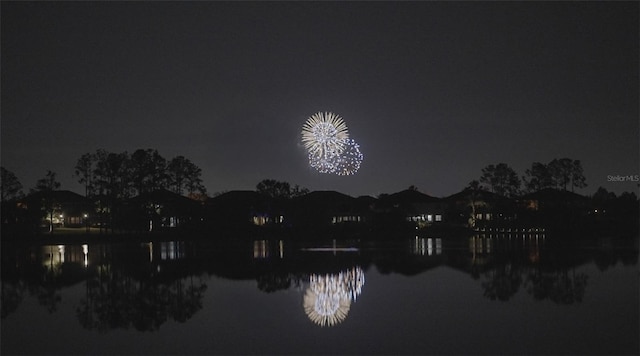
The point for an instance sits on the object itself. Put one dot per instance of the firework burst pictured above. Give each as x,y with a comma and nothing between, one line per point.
324,134
349,161
326,138
324,162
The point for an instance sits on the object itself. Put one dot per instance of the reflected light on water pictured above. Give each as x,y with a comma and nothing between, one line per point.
328,298
262,249
511,283
85,252
172,250
425,246
61,253
483,245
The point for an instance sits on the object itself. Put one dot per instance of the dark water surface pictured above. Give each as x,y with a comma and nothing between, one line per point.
503,294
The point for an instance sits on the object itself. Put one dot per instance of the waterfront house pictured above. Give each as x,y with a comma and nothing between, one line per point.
58,208
162,209
478,208
419,209
241,208
328,208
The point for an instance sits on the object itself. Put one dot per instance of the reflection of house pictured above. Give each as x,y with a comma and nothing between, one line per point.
53,256
163,209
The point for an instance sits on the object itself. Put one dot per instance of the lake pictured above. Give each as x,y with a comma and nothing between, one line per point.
485,294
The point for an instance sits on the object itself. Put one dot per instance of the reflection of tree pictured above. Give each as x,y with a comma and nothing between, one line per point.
604,259
271,282
150,306
12,295
184,303
116,301
569,289
503,283
612,252
47,292
48,296
557,286
545,273
106,305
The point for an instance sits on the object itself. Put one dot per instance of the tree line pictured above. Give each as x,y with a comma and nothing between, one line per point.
109,179
562,174
279,190
119,175
123,175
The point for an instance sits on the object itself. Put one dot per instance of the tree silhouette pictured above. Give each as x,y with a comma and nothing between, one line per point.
474,201
560,170
112,181
279,190
148,170
501,179
10,186
297,191
603,195
567,172
578,179
46,186
183,174
84,171
112,173
538,177
274,189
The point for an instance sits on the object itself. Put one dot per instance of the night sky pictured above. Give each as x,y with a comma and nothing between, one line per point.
432,91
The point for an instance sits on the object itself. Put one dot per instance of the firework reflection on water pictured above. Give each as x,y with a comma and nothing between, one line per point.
328,298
